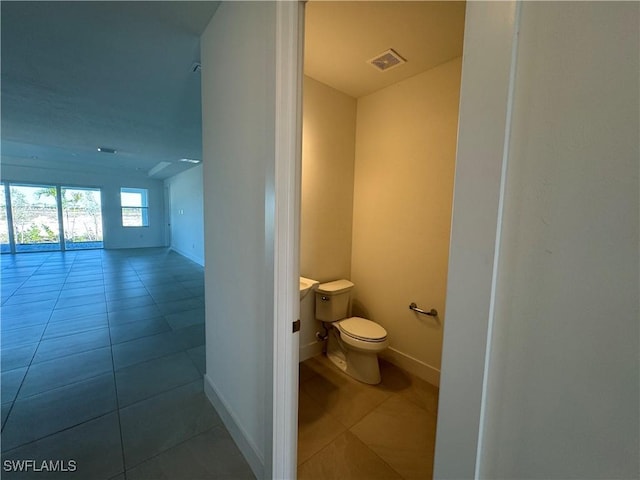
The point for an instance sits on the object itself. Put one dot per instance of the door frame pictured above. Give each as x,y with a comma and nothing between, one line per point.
286,197
488,68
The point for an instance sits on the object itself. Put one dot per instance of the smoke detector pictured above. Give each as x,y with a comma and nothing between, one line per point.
387,60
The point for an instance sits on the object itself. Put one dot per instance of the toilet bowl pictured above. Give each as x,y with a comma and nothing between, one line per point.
353,343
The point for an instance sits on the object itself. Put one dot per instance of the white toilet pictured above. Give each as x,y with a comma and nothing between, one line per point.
354,342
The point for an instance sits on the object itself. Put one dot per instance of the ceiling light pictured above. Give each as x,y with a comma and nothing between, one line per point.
189,160
106,150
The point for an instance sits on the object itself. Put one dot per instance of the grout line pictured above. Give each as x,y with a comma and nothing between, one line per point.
15,398
57,432
138,269
115,385
319,375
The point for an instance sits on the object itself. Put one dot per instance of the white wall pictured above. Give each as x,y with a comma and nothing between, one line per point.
405,160
186,215
563,397
561,382
484,94
115,235
328,155
238,100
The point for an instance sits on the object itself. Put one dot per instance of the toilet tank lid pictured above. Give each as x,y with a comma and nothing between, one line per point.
337,286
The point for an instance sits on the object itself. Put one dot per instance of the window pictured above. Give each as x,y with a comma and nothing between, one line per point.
135,207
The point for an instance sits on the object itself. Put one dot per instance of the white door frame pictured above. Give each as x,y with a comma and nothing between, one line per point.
288,145
487,79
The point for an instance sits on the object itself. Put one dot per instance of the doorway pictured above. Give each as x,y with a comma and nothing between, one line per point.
378,166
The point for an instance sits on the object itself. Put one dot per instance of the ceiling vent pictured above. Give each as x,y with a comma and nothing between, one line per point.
387,60
107,150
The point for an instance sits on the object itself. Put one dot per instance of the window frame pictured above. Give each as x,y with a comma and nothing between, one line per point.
143,208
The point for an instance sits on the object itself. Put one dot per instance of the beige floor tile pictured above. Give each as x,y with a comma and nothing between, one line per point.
322,366
402,434
412,388
346,458
316,429
339,395
306,372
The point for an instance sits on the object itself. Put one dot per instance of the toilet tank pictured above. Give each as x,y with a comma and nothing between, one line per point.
332,300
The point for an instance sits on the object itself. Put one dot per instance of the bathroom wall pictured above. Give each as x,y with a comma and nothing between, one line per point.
328,150
404,169
186,213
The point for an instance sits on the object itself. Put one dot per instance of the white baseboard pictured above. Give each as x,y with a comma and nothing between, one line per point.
240,437
310,350
412,365
190,256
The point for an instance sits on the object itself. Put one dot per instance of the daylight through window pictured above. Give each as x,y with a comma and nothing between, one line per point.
135,206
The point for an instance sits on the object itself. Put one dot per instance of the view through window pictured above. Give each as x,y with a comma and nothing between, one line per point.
5,244
82,218
34,211
135,206
39,213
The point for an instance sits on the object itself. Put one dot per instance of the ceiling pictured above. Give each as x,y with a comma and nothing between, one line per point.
79,75
82,74
340,37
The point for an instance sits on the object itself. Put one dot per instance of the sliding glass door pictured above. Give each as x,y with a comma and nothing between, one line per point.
34,210
82,218
33,218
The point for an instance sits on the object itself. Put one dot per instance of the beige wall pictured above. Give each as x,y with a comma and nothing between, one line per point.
328,149
376,203
405,160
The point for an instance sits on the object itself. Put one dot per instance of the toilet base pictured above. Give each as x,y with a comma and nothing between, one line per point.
363,366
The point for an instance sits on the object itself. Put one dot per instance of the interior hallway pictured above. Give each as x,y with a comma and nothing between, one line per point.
102,363
350,430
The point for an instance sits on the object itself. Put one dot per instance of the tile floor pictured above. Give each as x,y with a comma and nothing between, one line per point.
102,363
349,430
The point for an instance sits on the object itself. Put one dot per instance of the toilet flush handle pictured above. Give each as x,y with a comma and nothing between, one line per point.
324,298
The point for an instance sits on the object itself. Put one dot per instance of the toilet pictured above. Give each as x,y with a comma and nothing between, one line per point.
353,342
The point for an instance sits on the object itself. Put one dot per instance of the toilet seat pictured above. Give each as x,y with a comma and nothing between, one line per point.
363,330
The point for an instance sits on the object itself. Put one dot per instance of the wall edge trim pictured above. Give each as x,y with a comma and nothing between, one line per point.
420,369
244,443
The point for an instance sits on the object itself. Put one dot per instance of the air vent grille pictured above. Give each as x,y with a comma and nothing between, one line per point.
387,60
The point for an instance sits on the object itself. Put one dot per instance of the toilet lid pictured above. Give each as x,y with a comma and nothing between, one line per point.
363,329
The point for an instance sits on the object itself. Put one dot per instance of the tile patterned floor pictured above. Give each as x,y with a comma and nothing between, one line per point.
102,363
349,430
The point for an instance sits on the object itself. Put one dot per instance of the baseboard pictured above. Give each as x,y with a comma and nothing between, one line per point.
240,437
190,256
412,365
310,350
